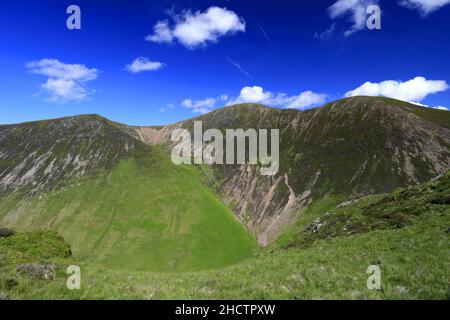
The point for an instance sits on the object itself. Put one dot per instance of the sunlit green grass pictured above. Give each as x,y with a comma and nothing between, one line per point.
414,265
147,214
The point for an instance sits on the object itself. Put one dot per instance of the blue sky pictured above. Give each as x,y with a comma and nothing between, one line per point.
207,54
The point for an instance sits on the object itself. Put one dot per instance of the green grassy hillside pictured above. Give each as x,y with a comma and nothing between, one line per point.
412,256
145,214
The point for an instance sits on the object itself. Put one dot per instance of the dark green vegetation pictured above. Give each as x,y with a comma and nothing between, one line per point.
413,260
394,211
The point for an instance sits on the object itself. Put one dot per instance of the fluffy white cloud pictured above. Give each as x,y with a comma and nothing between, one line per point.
355,9
254,94
198,28
62,90
66,82
415,89
257,94
143,64
424,6
54,68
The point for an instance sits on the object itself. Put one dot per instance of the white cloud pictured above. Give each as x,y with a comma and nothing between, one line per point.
355,9
257,94
427,106
66,82
254,94
415,89
64,90
201,106
198,28
162,33
53,68
143,64
424,6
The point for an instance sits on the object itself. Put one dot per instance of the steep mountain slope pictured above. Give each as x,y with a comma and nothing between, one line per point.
346,149
116,200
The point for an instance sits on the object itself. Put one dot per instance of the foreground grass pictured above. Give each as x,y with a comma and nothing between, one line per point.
412,251
414,263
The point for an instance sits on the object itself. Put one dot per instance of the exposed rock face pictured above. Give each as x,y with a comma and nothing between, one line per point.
349,148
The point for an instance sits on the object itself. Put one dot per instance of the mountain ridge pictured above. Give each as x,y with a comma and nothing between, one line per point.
362,127
345,149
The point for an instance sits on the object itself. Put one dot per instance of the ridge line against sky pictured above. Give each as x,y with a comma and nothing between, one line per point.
192,60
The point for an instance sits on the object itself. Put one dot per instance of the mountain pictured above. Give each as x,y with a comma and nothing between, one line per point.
116,200
344,150
38,156
113,193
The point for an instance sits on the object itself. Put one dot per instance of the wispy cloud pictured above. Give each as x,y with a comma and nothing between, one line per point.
327,34
195,29
142,64
66,82
169,107
425,7
414,90
238,66
265,35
